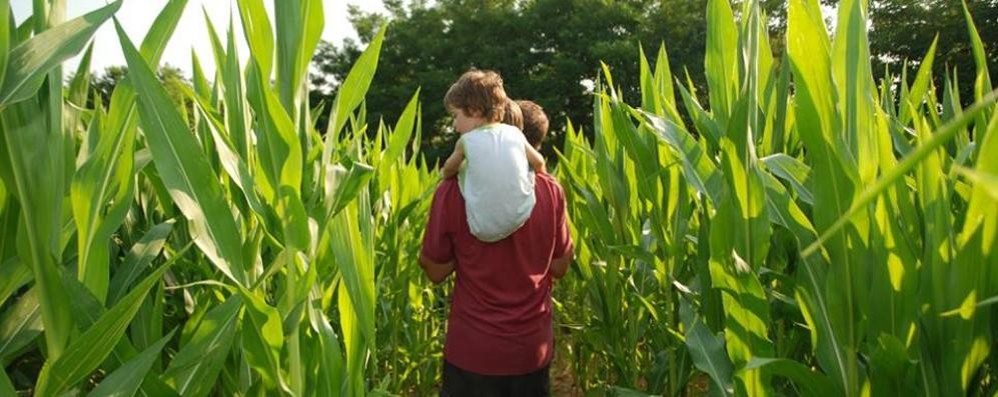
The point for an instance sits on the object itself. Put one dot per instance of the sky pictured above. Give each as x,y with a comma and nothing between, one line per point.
137,15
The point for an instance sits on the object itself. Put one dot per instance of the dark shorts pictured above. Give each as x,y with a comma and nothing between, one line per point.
461,383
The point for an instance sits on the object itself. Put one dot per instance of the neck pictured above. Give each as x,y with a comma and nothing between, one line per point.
479,123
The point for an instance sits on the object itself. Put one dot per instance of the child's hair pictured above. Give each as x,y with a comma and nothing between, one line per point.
478,93
513,115
535,122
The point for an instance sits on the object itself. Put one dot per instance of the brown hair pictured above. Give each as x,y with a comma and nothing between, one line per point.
478,93
535,122
513,115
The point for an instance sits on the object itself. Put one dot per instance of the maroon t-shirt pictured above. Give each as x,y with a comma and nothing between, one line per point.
500,315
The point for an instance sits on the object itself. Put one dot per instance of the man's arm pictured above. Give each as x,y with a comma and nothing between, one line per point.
453,163
559,266
563,246
436,272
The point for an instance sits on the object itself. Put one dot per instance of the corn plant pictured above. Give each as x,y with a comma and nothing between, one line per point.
807,232
797,229
267,231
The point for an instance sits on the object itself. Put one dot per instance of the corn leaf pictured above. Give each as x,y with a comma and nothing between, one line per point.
920,87
259,34
793,171
183,168
330,377
13,276
981,211
707,351
26,159
893,175
352,91
263,338
125,381
697,166
299,26
20,324
6,387
106,175
86,311
138,258
812,383
5,39
809,50
195,367
30,62
87,351
721,65
403,131
983,84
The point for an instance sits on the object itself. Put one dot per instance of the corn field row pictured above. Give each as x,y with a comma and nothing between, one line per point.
799,229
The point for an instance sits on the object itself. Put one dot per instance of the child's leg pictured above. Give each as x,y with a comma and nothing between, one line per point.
453,163
535,159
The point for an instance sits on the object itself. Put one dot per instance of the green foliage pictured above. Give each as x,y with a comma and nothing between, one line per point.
839,269
160,168
904,30
544,50
806,232
171,77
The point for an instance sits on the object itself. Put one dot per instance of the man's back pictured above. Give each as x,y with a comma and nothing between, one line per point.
497,184
500,318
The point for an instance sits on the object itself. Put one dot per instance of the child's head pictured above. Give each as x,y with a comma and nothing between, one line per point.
535,122
513,115
477,94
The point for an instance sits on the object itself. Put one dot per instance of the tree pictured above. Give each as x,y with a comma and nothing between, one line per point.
105,82
548,51
172,78
903,30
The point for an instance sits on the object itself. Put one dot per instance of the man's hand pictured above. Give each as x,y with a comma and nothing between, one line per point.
436,272
559,266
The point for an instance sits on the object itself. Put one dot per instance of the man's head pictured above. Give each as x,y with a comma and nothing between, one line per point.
477,97
535,122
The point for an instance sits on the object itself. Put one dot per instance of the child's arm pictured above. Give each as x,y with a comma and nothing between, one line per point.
535,159
453,163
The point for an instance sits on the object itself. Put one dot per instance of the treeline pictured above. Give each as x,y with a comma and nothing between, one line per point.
550,50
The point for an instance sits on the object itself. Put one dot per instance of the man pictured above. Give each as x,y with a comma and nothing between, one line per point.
499,333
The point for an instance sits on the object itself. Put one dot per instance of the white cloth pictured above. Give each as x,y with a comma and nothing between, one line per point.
496,181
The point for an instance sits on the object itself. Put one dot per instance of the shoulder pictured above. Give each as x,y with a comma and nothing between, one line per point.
474,138
446,199
507,127
550,184
511,130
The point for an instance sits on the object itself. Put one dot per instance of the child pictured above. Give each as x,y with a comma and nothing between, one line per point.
513,115
500,338
498,181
